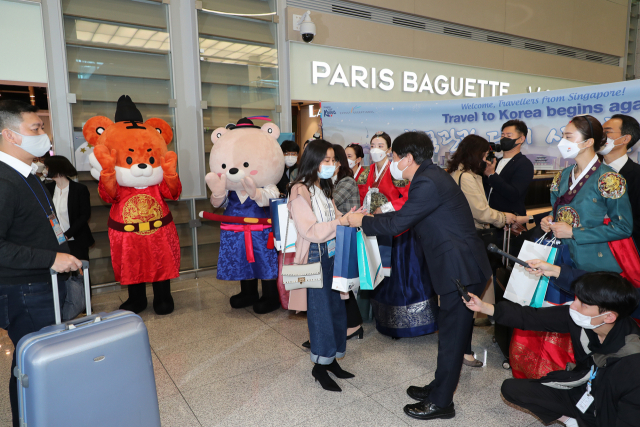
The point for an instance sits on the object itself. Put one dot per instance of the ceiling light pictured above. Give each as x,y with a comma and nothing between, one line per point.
107,29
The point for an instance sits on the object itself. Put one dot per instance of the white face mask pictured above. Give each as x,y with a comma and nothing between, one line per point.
377,154
396,173
352,163
583,320
290,160
36,145
568,149
608,146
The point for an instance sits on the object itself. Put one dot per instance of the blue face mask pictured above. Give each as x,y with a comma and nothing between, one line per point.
326,171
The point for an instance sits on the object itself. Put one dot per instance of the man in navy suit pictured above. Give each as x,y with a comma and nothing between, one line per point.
506,181
438,212
622,134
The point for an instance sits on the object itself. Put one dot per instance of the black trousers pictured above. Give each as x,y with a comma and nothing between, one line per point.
354,318
546,403
455,321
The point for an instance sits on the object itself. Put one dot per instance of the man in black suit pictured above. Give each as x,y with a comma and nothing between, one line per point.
440,215
622,133
506,181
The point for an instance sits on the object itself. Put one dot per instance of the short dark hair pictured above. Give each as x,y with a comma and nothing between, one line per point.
417,143
59,166
312,156
341,157
469,154
590,127
519,125
630,127
11,113
384,136
289,146
609,291
357,148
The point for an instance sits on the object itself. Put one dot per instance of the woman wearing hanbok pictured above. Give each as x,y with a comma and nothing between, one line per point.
591,208
355,155
404,305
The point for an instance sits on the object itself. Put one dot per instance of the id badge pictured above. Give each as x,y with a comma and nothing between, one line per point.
57,229
331,247
585,401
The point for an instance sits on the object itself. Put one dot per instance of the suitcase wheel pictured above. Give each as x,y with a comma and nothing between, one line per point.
505,364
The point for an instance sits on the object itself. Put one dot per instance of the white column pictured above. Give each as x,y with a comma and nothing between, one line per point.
284,88
58,78
185,64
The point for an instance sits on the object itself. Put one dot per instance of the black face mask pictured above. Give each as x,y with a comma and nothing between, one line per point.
507,144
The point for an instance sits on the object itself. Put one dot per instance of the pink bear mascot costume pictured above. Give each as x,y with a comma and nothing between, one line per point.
246,164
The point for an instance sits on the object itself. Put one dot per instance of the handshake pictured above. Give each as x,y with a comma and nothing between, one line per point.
353,218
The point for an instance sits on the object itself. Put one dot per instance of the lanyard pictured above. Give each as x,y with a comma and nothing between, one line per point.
592,376
34,195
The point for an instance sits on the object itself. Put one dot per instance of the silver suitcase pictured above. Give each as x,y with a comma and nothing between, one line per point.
93,371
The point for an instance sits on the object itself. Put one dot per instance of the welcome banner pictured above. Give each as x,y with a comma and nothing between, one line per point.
448,122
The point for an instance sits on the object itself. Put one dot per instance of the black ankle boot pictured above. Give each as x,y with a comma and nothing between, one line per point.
248,294
319,372
137,300
270,300
336,370
162,299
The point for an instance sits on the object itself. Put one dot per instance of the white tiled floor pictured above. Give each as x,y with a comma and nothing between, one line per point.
216,366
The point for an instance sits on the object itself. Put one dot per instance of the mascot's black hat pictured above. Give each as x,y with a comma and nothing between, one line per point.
126,110
246,122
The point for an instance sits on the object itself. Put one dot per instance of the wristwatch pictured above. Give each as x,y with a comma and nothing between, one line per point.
531,220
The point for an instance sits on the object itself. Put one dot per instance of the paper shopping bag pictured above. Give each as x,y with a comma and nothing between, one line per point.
345,265
538,298
287,229
274,213
522,285
384,245
369,262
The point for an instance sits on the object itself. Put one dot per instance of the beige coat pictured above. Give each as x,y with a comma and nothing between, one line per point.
309,231
471,186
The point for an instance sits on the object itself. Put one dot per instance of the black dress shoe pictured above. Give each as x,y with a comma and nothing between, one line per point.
307,344
429,411
359,333
419,393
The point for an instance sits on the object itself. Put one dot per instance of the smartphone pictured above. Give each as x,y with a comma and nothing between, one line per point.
462,291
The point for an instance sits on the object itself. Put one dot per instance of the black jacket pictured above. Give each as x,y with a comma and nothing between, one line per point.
286,178
441,218
631,173
79,206
616,387
510,186
28,244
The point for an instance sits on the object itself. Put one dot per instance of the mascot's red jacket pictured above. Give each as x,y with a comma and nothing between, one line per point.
137,173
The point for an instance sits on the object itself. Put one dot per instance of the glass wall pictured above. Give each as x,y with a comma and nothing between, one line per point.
238,67
117,47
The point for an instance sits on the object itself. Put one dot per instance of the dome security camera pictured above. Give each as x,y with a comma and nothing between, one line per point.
307,27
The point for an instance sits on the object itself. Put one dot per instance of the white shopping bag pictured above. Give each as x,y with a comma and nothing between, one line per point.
375,260
291,235
522,285
369,261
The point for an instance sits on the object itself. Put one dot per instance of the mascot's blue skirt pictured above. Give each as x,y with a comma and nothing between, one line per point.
405,305
232,258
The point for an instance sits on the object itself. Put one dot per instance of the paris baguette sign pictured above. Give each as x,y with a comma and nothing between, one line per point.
333,74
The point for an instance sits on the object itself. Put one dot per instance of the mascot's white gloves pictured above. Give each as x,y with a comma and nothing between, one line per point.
261,195
218,186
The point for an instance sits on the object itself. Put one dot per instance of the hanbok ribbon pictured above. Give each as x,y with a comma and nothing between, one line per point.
245,225
248,240
626,255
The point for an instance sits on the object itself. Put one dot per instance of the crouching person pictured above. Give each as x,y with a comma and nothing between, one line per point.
603,388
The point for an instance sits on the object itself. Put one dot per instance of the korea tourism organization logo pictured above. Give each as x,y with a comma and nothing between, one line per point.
357,110
329,112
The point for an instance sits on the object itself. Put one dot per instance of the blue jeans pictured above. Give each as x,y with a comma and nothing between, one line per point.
24,309
326,313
